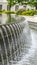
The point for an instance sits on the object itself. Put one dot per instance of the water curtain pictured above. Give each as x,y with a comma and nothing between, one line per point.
10,43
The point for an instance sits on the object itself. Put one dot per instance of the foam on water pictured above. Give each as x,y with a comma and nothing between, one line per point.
26,58
21,40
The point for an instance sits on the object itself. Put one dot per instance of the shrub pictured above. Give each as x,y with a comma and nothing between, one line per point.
7,12
27,12
0,11
30,12
20,11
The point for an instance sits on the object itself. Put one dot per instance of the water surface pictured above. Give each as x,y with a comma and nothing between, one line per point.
28,37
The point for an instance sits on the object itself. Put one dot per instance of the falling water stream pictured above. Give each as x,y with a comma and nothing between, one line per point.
18,44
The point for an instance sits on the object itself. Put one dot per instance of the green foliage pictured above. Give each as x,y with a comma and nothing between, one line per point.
11,19
6,12
20,11
11,2
32,2
27,13
0,12
30,12
19,1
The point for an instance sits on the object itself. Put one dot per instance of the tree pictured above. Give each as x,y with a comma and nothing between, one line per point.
11,2
32,2
35,4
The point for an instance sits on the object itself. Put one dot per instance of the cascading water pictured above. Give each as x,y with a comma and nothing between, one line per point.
14,43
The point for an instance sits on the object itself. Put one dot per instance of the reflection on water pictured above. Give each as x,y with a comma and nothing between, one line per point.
3,18
6,18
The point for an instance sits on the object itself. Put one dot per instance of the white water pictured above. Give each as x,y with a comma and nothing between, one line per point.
28,37
31,57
